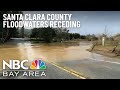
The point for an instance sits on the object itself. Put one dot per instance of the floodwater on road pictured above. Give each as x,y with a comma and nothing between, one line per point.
72,54
19,49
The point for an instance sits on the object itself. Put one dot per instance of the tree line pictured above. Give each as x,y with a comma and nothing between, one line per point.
53,34
7,33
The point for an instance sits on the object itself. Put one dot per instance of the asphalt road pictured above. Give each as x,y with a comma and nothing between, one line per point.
52,72
90,65
96,68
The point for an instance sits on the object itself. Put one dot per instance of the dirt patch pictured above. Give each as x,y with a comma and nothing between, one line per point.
106,51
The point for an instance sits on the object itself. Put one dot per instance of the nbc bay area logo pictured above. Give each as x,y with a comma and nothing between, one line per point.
38,64
16,67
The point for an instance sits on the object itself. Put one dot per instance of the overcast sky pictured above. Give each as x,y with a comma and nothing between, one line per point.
92,22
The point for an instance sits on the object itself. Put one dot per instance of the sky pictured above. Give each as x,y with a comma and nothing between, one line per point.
92,22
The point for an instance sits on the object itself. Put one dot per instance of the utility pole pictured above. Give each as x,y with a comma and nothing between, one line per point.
104,37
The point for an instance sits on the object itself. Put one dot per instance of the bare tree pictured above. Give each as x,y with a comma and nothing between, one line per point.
106,31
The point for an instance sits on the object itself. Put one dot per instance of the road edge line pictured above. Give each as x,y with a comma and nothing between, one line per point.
73,72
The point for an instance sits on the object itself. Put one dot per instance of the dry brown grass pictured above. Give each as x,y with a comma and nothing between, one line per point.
106,50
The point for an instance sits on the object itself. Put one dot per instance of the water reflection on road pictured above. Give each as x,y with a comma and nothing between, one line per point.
26,50
21,49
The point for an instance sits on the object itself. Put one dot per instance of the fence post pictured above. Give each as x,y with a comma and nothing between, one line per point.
103,41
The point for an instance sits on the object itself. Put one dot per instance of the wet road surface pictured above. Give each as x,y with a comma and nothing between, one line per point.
72,56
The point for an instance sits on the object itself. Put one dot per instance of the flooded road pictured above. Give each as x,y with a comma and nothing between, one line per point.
20,49
72,55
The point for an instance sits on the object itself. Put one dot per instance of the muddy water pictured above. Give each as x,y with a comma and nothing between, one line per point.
56,52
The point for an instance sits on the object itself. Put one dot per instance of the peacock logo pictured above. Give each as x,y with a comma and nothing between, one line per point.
38,64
